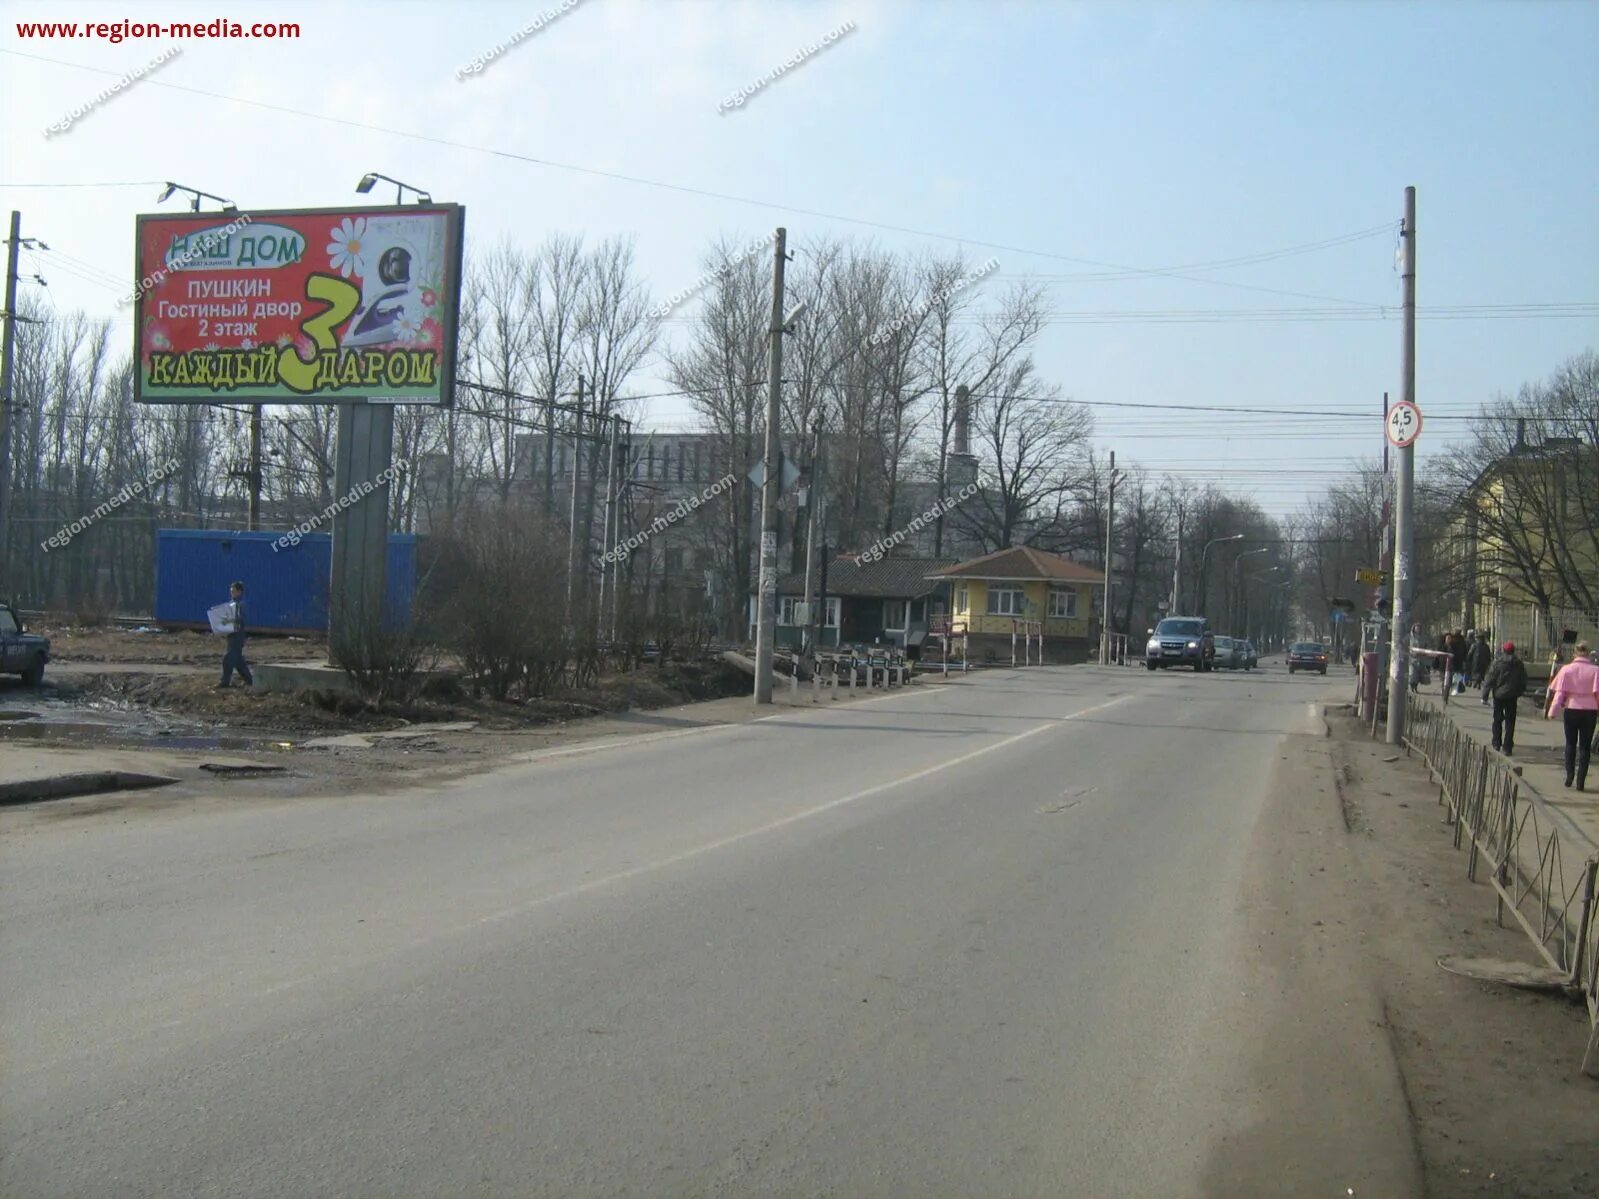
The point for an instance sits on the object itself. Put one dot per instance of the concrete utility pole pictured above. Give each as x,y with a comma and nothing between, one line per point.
1177,569
1110,530
7,372
815,514
571,526
255,468
610,508
1404,496
766,606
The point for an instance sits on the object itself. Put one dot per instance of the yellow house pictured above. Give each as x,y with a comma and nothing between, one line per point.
1520,553
990,595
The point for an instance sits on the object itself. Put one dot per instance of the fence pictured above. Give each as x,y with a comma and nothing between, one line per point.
1535,634
1500,818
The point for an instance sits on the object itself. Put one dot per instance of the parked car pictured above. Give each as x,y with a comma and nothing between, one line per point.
1181,641
1307,655
1227,655
1251,659
21,652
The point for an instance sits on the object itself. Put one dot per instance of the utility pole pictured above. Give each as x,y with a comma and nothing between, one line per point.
571,527
612,502
815,514
1110,529
255,468
766,607
7,372
1404,497
1177,568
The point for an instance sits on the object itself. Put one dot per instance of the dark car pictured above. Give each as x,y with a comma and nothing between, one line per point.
1246,650
21,652
1307,655
1181,641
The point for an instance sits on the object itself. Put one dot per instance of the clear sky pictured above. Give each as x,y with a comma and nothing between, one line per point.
1056,137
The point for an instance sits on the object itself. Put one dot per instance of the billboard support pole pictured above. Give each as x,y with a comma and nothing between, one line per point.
360,531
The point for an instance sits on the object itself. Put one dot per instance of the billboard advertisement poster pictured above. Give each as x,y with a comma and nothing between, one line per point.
300,306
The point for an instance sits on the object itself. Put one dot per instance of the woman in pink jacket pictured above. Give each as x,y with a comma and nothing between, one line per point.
1576,689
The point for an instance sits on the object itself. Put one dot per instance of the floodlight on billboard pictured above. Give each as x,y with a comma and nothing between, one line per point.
299,306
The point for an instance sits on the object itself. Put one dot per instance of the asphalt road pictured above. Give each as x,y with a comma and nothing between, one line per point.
1043,932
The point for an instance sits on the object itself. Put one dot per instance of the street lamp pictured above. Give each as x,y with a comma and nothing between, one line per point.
369,180
1200,600
197,194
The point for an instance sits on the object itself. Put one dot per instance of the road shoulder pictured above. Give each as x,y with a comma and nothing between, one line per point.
1492,1073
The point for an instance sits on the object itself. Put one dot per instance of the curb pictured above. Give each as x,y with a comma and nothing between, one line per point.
68,786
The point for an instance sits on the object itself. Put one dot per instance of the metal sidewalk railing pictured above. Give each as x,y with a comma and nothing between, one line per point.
1501,817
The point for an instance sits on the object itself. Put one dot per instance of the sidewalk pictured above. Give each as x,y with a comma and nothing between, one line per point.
1540,752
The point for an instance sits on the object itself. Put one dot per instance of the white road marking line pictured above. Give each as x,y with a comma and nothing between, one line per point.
792,818
523,909
598,744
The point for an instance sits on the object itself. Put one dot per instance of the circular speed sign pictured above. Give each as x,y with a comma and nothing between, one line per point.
1404,423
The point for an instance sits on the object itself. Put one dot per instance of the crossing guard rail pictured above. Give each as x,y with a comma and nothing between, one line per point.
1502,818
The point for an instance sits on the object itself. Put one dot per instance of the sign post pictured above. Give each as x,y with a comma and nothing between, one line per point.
1403,425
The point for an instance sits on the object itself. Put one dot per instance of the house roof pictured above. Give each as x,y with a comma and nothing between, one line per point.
1023,563
890,578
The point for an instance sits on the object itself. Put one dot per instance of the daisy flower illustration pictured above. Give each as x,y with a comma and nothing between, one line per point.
406,328
347,251
247,344
429,297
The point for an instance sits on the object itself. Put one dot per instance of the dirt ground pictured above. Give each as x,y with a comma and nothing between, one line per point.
1491,1074
129,690
112,644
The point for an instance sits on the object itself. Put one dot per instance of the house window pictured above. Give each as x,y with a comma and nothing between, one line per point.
1006,600
893,616
1063,602
962,604
788,610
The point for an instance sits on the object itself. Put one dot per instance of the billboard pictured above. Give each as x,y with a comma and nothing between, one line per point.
301,306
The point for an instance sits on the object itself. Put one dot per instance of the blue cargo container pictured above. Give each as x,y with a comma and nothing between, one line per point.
286,591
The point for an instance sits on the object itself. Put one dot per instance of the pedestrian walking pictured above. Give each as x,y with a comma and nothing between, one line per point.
1576,690
1458,650
1479,657
1506,684
234,658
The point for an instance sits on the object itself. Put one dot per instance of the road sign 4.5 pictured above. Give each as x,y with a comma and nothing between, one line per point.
1403,424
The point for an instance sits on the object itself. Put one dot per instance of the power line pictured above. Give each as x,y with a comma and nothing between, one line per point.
684,189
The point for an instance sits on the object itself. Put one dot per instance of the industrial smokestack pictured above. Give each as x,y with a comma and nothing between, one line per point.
963,420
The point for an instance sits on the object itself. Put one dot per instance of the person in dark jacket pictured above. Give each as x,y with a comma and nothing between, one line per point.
234,658
1479,658
1506,684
